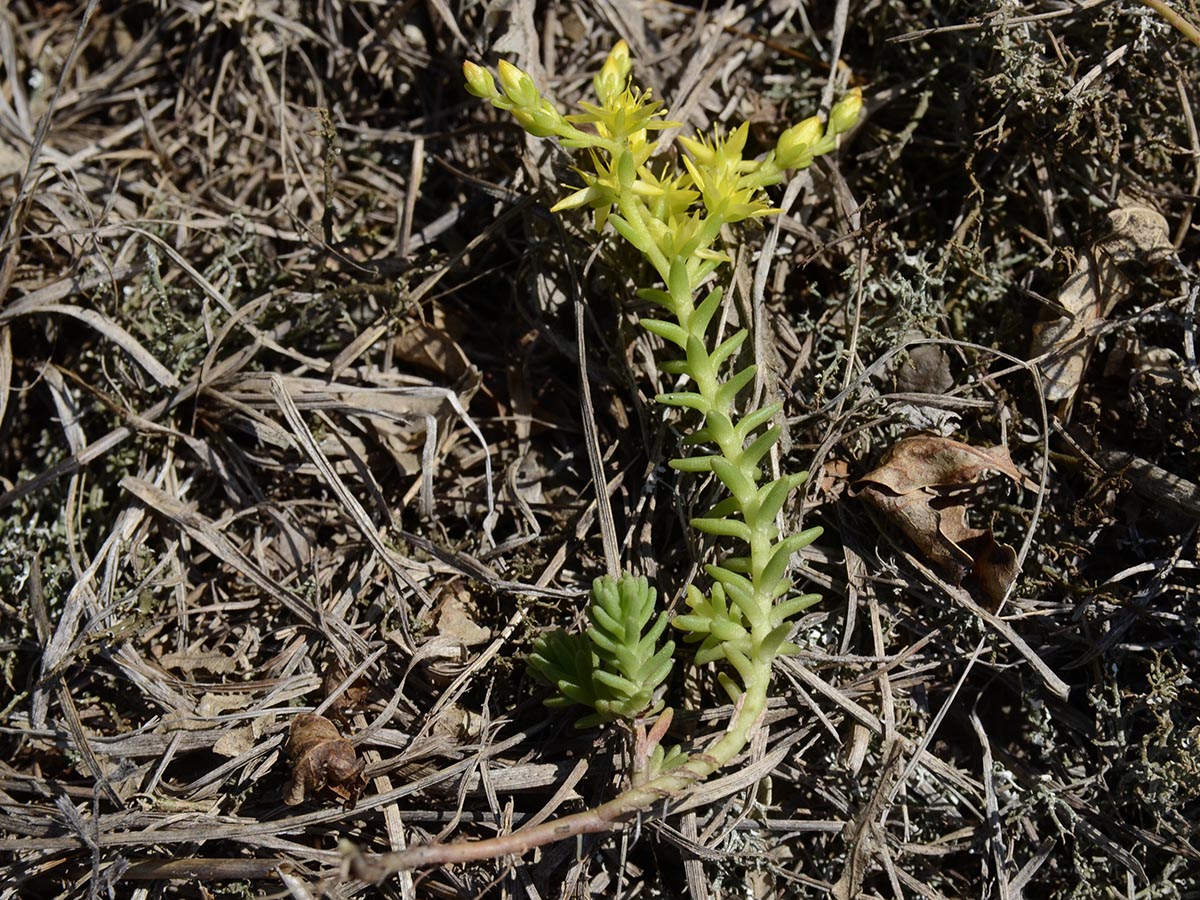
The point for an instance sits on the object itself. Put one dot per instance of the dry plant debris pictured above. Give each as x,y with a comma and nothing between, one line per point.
920,486
321,761
290,384
1092,292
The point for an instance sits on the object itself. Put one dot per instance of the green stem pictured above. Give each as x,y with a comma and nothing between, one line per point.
751,703
634,213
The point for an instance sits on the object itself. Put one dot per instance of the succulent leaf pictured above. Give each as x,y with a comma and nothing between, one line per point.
734,386
753,421
693,464
735,478
687,399
723,528
727,348
616,666
789,608
704,313
668,331
761,446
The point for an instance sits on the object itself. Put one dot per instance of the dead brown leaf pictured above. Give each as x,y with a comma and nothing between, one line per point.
919,487
234,743
432,349
349,700
833,478
926,461
458,617
322,761
1091,292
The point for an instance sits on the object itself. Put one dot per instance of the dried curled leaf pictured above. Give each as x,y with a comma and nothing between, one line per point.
923,461
352,698
1091,293
919,488
322,761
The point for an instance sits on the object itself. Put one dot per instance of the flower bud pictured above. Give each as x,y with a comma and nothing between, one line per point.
729,150
610,80
517,85
541,122
790,152
479,81
700,149
845,113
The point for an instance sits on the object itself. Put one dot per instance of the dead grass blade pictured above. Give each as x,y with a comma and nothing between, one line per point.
210,535
100,323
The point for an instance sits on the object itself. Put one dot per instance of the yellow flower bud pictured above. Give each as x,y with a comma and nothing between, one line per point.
700,149
479,81
791,151
517,85
619,57
844,115
730,151
610,81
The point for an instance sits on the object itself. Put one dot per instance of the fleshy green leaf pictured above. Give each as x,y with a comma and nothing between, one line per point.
734,478
726,630
752,421
700,319
723,527
696,624
774,640
789,608
761,446
733,387
668,331
700,464
771,498
621,685
687,399
719,423
731,687
677,281
727,348
727,508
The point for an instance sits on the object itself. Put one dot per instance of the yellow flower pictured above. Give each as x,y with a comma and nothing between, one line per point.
626,116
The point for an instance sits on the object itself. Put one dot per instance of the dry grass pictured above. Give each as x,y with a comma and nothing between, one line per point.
290,419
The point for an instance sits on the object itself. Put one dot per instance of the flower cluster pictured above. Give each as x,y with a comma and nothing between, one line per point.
656,211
